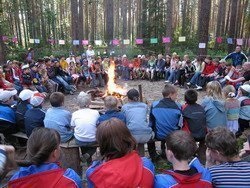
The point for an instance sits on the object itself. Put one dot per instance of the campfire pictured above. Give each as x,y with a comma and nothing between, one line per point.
112,88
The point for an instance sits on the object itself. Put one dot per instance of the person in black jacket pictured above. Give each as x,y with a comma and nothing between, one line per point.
34,117
194,121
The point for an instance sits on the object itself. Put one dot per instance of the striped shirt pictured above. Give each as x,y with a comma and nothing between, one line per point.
231,175
2,160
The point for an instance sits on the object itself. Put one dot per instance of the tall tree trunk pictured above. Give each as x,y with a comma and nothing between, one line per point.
2,45
184,17
220,20
232,26
109,20
74,19
204,15
124,19
86,16
169,28
129,18
80,21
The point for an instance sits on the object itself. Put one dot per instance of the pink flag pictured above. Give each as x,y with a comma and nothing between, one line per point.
166,40
5,38
51,41
219,40
239,42
138,41
85,42
14,39
116,42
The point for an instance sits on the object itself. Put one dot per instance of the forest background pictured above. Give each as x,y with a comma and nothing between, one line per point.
200,21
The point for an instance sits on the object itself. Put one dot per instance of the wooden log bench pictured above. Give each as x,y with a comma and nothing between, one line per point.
71,156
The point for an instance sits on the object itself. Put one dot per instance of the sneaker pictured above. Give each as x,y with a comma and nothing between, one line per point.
198,88
189,84
167,81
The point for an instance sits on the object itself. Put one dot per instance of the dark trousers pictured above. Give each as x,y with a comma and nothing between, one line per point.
152,149
243,124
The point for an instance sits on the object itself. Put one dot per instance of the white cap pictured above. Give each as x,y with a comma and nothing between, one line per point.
246,87
37,99
6,95
26,94
25,66
124,56
139,56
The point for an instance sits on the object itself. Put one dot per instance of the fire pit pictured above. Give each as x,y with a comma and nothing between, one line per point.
112,89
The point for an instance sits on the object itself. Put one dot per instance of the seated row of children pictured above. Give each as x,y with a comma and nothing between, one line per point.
121,166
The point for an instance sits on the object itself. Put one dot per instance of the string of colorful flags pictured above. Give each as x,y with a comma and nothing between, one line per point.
138,41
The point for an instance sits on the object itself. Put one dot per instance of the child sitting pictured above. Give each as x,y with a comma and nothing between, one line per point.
34,117
232,108
180,149
164,118
194,121
41,168
214,106
22,106
58,118
244,116
121,166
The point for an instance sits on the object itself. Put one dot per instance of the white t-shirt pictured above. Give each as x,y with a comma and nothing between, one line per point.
89,54
84,121
70,59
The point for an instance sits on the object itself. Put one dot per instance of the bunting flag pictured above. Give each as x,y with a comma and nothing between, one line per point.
98,42
14,39
37,41
32,41
51,41
182,39
76,42
239,42
5,38
154,40
85,42
229,40
126,41
62,42
219,40
166,40
116,42
202,45
138,41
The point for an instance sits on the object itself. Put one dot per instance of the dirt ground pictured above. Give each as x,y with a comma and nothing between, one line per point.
151,92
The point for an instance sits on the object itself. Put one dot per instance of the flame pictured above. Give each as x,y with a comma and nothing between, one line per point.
113,88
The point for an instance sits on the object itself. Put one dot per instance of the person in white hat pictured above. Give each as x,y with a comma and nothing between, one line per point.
34,117
7,115
22,106
244,115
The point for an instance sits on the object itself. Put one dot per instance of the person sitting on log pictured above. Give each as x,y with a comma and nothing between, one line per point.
41,168
121,166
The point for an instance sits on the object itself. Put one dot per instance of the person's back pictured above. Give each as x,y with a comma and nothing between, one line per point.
165,114
110,103
41,168
136,117
214,106
180,149
121,165
34,117
222,149
194,117
58,118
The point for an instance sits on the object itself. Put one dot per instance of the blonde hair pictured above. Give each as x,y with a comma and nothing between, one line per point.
229,91
214,90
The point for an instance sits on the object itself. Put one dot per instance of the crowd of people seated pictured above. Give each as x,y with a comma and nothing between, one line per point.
215,123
